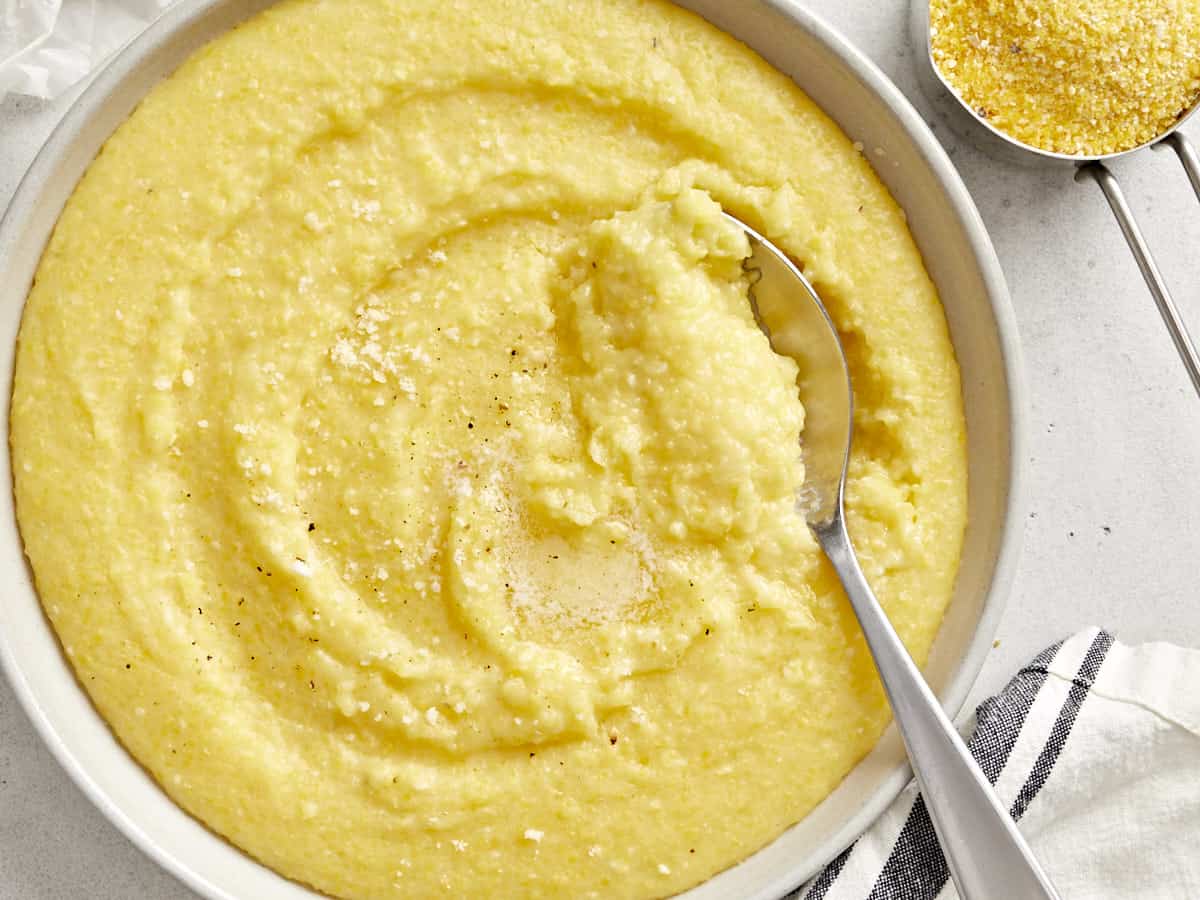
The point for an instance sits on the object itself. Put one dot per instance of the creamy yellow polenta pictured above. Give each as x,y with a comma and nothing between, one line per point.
404,473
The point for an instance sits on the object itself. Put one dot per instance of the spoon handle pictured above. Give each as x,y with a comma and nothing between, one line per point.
986,855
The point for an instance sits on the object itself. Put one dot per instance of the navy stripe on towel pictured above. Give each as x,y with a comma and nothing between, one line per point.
1062,725
828,875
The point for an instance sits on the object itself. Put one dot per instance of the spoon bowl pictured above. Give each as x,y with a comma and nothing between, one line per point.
985,853
792,316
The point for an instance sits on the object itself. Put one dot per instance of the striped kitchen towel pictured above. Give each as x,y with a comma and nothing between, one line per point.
1095,748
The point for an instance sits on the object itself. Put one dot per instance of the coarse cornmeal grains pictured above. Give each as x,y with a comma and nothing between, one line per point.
1080,77
405,475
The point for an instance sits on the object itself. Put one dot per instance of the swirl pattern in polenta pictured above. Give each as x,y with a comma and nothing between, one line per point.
407,480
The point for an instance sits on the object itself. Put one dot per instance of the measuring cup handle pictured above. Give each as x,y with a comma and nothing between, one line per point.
1178,142
1141,252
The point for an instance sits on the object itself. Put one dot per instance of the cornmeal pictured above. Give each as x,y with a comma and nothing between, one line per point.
405,475
1079,77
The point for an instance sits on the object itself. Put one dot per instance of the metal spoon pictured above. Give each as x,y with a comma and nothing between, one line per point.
986,854
995,142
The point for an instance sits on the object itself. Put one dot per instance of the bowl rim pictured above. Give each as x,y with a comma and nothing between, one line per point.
110,78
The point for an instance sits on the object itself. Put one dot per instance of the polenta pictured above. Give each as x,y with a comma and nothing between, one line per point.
406,478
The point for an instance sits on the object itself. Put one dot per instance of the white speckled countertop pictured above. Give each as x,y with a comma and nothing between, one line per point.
1114,533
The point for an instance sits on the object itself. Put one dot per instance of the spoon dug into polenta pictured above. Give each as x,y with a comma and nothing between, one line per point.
986,855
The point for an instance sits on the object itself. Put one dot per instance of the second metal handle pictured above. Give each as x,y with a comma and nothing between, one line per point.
1187,155
1141,250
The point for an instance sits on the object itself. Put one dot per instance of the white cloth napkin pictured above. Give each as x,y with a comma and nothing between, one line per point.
1095,748
48,45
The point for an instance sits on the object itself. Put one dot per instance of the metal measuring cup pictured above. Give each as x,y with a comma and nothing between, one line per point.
1002,146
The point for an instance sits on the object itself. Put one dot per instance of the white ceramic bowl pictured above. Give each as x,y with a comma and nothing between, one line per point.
957,252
